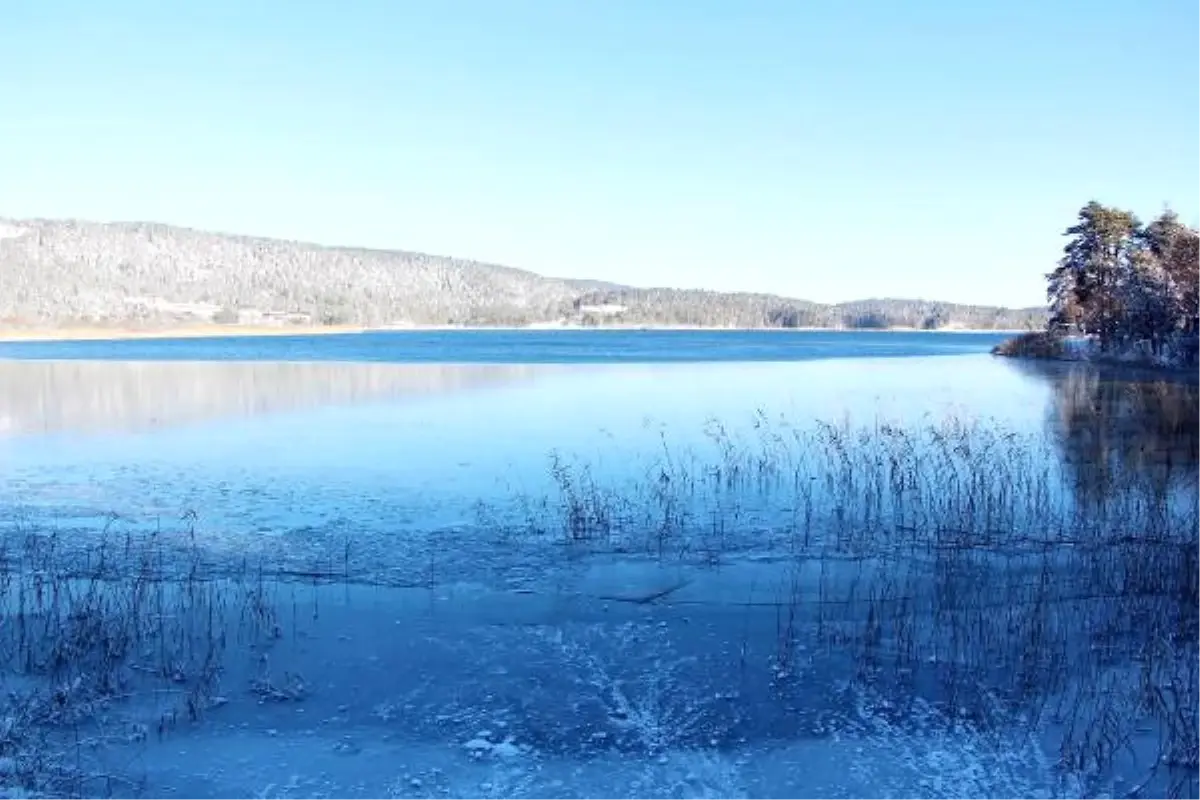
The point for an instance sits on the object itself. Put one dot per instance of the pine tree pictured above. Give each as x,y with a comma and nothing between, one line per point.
1174,248
1183,265
1148,307
1159,235
1087,289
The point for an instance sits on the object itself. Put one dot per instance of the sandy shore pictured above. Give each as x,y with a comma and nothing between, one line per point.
182,332
67,334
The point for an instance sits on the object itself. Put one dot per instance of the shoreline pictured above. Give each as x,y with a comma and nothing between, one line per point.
1044,347
97,334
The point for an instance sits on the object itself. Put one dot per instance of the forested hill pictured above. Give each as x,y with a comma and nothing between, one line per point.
693,307
64,272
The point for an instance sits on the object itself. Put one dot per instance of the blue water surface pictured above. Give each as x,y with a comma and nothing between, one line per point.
522,346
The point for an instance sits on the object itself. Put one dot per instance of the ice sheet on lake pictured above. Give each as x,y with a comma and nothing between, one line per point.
309,765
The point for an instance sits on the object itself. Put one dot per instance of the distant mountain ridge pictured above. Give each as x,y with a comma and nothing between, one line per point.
56,273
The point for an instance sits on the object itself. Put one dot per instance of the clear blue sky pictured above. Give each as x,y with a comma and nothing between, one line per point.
829,150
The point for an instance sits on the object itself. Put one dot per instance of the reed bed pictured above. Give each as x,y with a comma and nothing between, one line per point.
146,624
987,569
844,489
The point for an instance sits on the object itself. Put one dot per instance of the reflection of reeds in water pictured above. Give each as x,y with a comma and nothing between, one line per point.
90,396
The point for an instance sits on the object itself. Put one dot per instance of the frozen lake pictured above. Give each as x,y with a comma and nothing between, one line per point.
623,564
279,448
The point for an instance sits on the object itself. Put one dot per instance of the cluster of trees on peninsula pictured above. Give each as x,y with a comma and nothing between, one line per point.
64,272
1123,282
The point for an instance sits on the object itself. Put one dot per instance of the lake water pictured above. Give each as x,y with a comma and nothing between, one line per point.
308,450
506,505
522,347
312,430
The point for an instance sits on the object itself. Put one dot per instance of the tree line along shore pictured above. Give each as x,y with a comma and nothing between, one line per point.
113,277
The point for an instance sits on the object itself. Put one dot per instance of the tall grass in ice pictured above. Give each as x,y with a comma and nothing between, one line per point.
954,569
847,489
1055,577
136,622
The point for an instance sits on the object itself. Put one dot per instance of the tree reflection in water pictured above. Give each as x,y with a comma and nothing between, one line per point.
1115,426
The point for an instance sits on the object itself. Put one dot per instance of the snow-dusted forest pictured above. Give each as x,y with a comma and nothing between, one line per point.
61,272
1122,290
